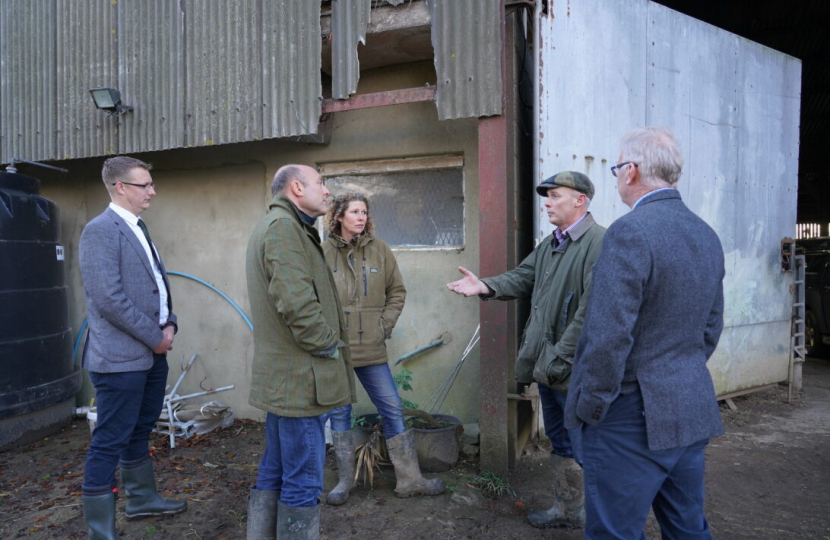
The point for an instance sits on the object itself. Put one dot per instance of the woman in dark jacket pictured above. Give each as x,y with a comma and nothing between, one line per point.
372,295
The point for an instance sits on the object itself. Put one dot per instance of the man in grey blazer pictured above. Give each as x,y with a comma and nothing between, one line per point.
131,328
640,386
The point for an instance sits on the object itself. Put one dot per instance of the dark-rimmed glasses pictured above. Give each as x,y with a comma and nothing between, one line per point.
146,186
619,166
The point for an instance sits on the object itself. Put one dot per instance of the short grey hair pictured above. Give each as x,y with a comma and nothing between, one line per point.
656,153
283,176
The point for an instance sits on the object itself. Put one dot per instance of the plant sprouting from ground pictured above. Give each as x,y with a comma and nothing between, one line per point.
492,485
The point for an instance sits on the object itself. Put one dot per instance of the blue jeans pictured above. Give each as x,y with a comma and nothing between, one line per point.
623,478
129,403
295,452
566,442
379,384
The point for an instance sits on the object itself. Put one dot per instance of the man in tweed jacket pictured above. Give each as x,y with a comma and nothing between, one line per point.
131,328
640,386
302,368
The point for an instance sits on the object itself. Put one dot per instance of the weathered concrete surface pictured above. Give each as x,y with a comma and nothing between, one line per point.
208,201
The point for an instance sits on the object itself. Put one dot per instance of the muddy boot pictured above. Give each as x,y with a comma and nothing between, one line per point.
142,497
298,523
262,514
408,472
568,509
99,513
343,442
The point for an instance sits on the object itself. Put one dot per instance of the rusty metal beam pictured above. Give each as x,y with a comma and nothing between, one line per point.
380,99
494,259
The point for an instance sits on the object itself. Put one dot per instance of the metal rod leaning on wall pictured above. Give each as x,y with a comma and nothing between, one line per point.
419,350
172,398
168,399
205,393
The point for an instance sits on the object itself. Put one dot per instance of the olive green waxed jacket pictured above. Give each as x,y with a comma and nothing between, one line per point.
296,313
371,292
558,282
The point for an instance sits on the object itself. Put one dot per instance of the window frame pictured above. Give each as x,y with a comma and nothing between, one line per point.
379,166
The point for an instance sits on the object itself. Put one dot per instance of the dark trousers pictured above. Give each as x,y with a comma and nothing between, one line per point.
129,403
623,478
295,453
565,442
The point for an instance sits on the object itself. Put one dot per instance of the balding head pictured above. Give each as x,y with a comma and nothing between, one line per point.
303,186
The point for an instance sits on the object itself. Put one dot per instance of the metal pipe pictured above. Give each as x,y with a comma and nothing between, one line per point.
185,371
16,160
197,394
409,355
537,91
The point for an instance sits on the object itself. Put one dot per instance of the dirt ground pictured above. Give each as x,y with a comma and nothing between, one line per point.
767,478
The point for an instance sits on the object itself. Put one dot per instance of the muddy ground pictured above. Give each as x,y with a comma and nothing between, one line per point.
767,478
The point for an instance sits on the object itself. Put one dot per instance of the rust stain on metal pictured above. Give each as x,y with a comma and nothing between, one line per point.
380,99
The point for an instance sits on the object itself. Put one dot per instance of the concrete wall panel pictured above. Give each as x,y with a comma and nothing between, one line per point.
209,200
734,107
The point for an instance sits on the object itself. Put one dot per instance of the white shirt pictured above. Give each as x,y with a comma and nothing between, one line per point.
132,221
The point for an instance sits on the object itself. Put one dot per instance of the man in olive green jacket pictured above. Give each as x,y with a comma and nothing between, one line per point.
557,278
301,367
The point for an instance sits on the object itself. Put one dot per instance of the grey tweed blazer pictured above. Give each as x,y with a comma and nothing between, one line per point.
654,318
122,297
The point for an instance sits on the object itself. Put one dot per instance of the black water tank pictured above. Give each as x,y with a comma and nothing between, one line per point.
38,382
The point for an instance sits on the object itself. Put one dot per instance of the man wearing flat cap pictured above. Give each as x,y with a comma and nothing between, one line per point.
557,278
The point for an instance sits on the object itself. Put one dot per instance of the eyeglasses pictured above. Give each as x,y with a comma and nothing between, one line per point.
146,186
619,166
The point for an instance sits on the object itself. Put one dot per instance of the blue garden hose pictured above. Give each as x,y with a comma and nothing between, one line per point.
205,283
220,293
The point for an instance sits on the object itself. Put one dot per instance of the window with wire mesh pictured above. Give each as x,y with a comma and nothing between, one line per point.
420,208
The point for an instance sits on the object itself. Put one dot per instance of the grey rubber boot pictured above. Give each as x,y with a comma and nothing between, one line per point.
294,523
142,497
99,513
407,470
568,509
343,442
262,514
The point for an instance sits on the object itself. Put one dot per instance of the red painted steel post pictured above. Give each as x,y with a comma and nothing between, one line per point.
494,227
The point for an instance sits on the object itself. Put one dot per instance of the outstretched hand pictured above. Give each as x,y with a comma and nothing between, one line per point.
469,285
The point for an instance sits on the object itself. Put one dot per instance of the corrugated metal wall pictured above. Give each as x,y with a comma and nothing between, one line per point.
223,90
467,38
291,70
204,72
197,72
151,75
349,20
27,79
87,57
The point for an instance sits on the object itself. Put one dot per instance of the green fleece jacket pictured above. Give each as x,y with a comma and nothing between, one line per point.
558,281
296,316
371,292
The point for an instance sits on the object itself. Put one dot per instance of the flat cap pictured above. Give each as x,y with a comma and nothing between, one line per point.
572,179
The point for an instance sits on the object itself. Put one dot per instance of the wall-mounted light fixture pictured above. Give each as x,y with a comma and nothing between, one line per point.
109,99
